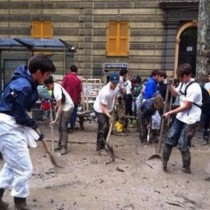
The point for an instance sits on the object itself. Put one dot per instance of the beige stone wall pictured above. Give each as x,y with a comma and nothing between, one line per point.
83,23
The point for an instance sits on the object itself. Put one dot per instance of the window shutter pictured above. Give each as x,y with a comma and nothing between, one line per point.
124,39
41,30
47,29
117,39
112,38
36,30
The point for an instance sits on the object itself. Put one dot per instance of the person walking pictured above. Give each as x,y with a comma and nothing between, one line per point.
187,117
17,128
65,107
103,107
73,85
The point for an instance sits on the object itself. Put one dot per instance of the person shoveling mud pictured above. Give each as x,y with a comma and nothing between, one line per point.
187,119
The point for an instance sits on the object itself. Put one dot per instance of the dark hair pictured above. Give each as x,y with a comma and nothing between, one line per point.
184,69
163,74
49,80
155,72
136,79
42,63
123,72
73,68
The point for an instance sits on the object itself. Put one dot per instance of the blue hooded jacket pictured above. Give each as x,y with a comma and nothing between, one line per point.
19,96
150,88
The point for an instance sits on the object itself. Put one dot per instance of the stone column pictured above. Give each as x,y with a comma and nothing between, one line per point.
203,42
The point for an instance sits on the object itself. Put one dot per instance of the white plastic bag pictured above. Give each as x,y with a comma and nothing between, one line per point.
156,119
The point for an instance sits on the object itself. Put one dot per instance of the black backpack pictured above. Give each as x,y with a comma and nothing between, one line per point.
205,97
63,98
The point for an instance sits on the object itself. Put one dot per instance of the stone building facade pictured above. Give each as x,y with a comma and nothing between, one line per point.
154,31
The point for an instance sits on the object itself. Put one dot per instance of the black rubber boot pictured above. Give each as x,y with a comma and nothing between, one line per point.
20,204
205,140
165,156
142,132
186,159
3,205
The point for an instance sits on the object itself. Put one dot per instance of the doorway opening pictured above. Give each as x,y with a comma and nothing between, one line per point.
186,46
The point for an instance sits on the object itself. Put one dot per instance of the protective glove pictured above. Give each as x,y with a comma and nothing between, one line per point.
38,131
170,81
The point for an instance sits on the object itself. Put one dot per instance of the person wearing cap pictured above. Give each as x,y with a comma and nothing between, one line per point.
103,107
65,107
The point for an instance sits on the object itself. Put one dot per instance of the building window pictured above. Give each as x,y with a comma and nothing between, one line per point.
41,30
117,39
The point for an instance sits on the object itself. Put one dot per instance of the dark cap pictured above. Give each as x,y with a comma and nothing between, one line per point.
114,77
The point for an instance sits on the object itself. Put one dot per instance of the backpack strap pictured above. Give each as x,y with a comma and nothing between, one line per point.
185,91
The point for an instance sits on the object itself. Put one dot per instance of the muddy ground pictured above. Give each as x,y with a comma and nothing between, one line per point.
87,182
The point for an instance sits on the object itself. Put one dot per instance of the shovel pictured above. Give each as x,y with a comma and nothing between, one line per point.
107,142
53,159
158,149
51,126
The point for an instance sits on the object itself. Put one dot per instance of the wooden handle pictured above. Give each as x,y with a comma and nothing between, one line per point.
163,121
109,133
48,151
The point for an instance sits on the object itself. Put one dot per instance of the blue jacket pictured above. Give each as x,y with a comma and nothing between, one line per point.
150,88
19,96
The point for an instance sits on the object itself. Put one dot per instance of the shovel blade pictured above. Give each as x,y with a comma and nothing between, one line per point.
155,156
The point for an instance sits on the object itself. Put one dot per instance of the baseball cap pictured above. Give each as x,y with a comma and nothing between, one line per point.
114,77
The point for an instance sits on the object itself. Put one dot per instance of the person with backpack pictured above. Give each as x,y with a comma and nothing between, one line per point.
18,130
65,107
187,119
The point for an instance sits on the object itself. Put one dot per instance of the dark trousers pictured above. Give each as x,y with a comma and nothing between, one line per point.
103,129
180,135
206,122
128,104
63,128
73,117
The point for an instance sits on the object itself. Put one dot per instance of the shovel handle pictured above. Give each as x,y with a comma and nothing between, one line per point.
109,133
163,121
48,151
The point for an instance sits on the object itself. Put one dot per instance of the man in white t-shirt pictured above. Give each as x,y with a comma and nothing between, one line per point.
187,118
103,107
65,107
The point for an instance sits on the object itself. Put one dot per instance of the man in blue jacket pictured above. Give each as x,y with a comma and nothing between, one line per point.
150,92
17,128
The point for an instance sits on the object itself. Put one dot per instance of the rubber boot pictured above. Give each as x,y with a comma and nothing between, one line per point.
205,140
155,136
3,205
165,156
20,204
186,159
142,132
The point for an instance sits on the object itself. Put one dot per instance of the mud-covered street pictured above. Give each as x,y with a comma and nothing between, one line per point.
87,182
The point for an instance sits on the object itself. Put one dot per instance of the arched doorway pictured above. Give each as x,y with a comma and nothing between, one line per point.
186,46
